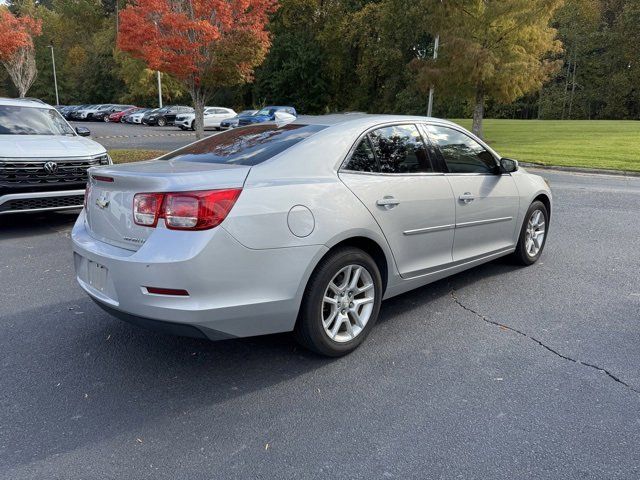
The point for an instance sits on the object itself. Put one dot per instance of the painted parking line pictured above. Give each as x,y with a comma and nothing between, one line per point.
146,135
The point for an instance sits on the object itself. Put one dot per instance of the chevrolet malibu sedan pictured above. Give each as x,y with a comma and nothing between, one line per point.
305,226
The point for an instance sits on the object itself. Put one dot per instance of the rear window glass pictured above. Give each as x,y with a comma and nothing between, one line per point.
245,146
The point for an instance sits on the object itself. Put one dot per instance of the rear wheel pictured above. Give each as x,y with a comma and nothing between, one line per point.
533,234
106,119
341,303
161,122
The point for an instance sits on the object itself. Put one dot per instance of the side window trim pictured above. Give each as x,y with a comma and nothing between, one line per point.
435,156
430,150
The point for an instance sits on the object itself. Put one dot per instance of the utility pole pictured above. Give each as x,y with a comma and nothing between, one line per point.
55,79
159,88
436,44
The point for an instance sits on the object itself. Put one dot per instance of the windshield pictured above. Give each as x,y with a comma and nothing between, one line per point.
32,121
244,146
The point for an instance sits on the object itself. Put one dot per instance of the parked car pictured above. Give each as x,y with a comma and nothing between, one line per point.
68,111
234,121
212,118
75,113
165,116
266,114
86,114
118,115
43,160
136,117
303,226
103,114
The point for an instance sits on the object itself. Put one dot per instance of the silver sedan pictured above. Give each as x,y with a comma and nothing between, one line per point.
302,226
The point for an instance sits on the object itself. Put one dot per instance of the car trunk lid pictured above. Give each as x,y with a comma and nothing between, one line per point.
109,212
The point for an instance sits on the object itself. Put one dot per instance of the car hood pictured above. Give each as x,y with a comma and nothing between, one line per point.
48,146
185,116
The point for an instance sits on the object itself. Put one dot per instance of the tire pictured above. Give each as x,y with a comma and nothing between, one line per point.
106,119
161,122
315,312
528,253
193,126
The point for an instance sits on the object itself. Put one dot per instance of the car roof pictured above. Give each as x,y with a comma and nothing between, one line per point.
23,102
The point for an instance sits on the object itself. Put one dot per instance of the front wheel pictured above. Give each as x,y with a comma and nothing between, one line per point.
340,304
533,235
106,119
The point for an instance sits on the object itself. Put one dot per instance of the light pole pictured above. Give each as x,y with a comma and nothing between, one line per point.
436,44
55,79
159,88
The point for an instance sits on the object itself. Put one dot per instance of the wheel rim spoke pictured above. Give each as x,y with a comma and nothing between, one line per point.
348,303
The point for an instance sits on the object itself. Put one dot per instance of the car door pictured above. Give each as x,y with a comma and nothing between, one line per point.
391,172
170,115
486,200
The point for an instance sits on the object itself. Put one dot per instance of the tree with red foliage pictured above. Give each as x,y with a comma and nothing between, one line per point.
16,49
203,43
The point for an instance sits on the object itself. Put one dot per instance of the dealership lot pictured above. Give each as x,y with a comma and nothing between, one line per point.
125,136
497,372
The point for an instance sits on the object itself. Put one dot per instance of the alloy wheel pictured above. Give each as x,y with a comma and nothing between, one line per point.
348,303
534,234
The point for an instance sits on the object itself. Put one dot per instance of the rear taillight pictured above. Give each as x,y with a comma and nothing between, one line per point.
146,208
199,210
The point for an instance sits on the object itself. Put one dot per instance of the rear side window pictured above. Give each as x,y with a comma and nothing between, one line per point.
400,149
362,158
462,153
244,146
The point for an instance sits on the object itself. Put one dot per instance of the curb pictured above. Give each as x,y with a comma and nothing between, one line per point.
594,171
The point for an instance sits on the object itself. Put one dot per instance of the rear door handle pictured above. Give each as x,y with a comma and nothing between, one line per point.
388,201
467,197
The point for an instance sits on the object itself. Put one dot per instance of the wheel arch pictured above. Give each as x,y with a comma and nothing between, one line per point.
544,198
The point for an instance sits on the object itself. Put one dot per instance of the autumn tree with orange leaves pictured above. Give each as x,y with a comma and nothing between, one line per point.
16,49
205,44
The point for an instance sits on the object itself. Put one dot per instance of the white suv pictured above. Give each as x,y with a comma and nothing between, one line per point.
212,118
43,160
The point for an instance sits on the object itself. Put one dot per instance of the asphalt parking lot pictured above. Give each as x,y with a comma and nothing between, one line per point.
498,372
126,136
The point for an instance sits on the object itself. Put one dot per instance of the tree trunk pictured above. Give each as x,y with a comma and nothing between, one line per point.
478,111
198,104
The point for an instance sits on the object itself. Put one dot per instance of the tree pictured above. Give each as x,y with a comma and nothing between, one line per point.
205,44
497,49
17,50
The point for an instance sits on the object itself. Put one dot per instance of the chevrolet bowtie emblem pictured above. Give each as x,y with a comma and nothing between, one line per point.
102,202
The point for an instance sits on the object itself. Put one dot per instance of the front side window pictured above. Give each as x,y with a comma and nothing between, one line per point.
244,146
400,149
362,159
18,120
462,153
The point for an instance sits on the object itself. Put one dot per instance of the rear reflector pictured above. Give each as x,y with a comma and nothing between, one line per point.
167,291
198,210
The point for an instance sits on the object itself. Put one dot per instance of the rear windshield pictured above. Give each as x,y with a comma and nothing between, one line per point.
16,120
244,146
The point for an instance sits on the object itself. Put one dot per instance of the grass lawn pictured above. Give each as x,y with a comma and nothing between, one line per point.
125,156
573,143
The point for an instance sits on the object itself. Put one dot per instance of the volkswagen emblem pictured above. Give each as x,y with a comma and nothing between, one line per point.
51,168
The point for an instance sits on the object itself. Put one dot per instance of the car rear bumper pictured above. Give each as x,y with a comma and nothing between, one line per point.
233,291
41,201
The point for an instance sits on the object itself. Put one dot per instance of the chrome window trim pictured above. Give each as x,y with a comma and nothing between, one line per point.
440,228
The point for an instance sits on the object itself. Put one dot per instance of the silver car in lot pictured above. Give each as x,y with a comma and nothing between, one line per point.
305,226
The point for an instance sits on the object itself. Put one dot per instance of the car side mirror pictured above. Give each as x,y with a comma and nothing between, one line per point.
83,131
508,165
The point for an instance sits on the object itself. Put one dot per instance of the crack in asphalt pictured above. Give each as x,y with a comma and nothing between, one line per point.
486,319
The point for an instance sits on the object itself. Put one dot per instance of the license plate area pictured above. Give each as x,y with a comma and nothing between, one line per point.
97,275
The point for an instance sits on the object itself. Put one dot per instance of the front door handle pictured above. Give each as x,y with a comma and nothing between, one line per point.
388,201
467,197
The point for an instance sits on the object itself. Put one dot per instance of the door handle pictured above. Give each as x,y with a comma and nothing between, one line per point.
467,197
388,201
